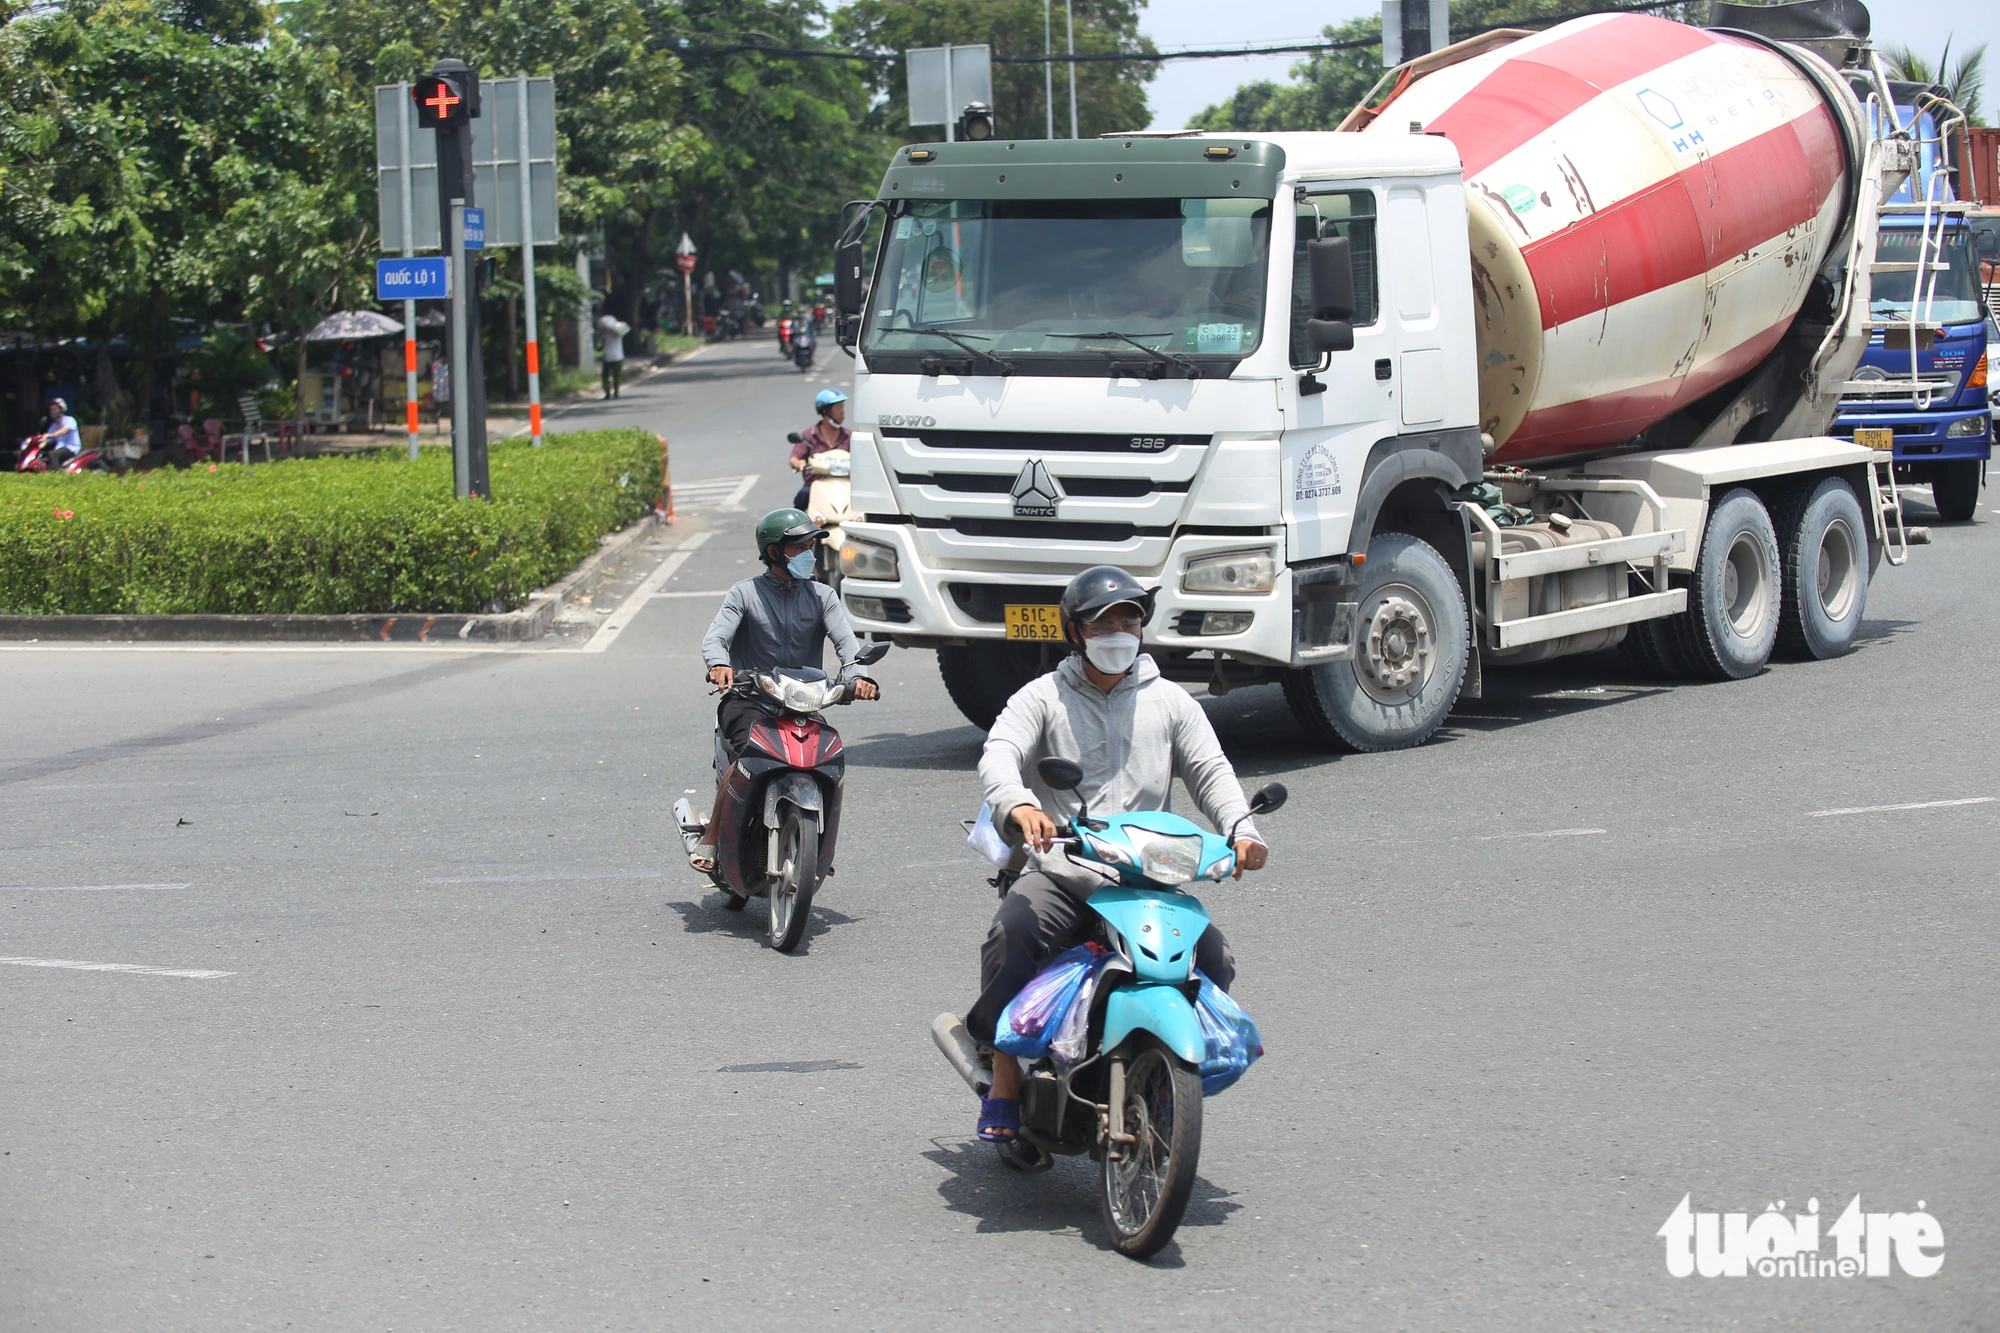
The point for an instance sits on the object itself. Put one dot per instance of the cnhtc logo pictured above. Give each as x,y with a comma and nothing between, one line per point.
1774,1245
1035,492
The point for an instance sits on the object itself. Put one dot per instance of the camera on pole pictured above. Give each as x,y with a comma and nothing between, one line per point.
975,123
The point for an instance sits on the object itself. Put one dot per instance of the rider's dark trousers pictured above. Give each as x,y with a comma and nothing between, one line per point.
1037,920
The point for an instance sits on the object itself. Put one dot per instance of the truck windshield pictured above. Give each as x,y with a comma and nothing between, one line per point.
1954,300
1068,286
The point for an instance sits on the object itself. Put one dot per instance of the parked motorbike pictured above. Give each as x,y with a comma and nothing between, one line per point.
781,803
36,455
829,495
804,339
1133,1100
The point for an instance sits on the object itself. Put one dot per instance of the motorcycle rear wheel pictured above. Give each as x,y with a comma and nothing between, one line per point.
1145,1189
793,880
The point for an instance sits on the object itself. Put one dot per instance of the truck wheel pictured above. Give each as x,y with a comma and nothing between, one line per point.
1731,622
1825,542
1411,647
1955,488
981,678
1650,646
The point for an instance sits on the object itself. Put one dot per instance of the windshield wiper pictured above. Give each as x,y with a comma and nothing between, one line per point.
1006,366
1188,364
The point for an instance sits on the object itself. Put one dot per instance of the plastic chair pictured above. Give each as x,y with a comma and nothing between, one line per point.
253,432
195,448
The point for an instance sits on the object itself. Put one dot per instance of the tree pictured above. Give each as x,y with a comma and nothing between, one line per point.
1963,83
1110,95
1328,84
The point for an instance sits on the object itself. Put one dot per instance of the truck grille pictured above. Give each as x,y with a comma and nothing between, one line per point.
987,602
1042,441
983,483
1031,529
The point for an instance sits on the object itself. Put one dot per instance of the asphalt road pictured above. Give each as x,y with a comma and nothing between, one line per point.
484,1055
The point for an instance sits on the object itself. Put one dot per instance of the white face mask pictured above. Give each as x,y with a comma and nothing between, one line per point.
1113,654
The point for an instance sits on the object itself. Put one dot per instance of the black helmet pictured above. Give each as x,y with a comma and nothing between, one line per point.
1096,590
782,527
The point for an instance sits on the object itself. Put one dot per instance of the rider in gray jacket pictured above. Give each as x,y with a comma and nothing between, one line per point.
1132,732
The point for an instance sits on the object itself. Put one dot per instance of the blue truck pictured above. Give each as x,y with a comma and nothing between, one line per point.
1932,406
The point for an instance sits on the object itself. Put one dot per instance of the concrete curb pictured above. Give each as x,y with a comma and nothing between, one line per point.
532,621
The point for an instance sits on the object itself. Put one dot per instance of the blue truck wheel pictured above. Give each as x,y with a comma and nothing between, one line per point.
1955,488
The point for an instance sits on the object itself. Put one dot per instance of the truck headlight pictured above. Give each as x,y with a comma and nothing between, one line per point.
866,560
1969,426
1233,571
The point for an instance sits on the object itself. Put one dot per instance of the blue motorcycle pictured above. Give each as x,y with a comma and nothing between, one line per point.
1132,1098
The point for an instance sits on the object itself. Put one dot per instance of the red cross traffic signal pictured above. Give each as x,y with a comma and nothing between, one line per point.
440,102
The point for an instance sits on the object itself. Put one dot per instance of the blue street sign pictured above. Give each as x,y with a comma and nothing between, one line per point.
412,279
475,229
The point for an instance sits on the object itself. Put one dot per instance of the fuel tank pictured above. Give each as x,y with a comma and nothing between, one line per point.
1648,204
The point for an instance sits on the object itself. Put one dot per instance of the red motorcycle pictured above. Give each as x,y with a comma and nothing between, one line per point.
781,798
36,455
785,337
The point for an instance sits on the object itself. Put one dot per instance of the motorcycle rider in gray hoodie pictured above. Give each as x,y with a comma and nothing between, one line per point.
1132,731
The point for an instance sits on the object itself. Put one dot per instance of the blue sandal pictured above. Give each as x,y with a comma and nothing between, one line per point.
999,1119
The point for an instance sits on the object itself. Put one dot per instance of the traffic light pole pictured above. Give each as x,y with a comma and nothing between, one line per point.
468,374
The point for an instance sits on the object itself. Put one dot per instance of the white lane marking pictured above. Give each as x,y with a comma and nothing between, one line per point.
630,607
225,649
734,504
705,592
1551,833
541,879
85,888
203,973
725,494
1913,805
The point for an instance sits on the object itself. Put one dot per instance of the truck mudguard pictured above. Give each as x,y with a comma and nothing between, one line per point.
1453,458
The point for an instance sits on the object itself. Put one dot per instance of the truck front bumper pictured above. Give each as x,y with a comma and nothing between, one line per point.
928,607
1927,437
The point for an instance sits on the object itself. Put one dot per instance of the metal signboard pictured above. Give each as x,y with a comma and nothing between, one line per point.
475,229
497,158
413,279
944,78
405,165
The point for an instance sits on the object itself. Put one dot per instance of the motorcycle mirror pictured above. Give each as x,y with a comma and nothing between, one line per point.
1061,774
873,653
795,438
1269,797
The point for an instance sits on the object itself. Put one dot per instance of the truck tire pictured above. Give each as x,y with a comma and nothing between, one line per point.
1955,488
1824,536
1734,601
1412,643
981,678
1651,646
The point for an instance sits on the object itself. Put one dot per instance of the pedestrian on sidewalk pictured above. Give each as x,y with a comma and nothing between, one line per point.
614,330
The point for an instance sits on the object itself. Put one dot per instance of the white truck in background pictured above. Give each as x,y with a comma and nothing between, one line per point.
1494,376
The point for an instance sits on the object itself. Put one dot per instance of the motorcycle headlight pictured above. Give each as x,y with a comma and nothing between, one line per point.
1166,858
868,560
1108,851
1236,571
842,468
804,696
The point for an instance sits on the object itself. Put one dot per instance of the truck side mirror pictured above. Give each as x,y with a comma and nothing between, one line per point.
1330,269
847,278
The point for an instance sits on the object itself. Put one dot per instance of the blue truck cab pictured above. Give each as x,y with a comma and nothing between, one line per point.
1940,428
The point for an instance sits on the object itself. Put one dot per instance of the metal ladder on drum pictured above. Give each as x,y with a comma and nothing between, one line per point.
1935,210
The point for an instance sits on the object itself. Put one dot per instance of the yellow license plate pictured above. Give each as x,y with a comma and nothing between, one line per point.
1875,437
1033,622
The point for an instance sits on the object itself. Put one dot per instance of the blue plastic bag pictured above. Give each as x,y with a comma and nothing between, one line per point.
1030,1021
1232,1039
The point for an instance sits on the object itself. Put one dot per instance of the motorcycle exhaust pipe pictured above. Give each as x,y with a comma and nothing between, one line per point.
962,1051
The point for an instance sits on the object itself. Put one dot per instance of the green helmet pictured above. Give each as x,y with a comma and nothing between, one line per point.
785,526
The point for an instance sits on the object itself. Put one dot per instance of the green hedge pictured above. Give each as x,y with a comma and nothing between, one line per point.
374,533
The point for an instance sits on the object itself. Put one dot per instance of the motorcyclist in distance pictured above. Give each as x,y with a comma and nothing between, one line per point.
1132,731
65,441
826,433
780,618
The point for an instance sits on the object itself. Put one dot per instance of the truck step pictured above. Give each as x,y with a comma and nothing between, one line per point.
1906,266
1958,206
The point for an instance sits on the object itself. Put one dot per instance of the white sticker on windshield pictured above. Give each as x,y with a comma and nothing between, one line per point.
905,228
1219,338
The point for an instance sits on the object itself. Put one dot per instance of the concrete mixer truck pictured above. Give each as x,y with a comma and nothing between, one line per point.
1535,357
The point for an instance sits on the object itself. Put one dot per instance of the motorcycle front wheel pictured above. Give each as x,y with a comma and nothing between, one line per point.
793,880
1145,1187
